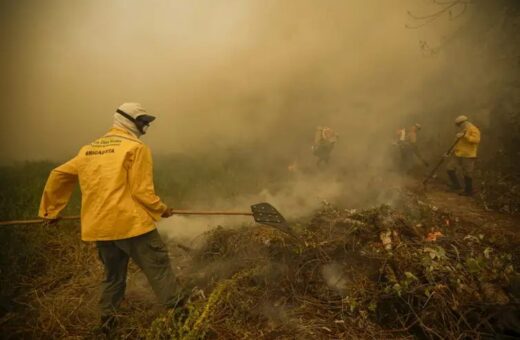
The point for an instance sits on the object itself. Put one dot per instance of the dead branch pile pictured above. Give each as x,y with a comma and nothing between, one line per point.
379,273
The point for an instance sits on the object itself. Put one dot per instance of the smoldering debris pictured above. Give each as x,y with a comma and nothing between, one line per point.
344,282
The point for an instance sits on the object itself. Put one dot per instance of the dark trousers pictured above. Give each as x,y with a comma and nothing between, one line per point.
322,151
150,253
466,164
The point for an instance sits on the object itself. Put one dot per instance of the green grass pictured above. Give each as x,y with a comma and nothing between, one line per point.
21,188
203,178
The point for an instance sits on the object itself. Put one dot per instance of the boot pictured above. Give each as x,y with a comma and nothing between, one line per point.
468,187
454,185
108,325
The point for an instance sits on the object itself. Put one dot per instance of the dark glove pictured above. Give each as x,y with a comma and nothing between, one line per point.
50,221
167,213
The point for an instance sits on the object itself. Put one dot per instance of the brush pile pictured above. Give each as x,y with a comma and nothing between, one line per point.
379,273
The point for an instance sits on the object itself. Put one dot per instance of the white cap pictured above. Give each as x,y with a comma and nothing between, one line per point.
461,119
136,110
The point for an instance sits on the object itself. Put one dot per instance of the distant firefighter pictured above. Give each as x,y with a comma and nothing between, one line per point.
293,167
324,140
408,150
464,155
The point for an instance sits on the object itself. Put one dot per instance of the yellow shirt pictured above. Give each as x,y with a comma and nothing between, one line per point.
116,181
467,146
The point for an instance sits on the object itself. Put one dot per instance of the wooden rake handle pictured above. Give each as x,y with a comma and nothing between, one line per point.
175,212
222,213
36,221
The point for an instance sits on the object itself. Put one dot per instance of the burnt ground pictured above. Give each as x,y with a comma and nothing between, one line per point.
468,208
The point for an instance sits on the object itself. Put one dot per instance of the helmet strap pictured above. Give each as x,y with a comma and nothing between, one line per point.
141,125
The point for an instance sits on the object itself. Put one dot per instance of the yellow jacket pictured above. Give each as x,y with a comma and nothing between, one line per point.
467,146
116,181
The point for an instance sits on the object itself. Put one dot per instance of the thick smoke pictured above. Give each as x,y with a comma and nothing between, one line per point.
258,74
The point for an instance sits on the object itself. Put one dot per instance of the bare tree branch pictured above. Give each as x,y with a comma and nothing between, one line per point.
448,7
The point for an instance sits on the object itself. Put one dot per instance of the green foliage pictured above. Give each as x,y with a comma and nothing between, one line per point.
21,187
194,321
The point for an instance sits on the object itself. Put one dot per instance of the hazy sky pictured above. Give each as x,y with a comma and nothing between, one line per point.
216,73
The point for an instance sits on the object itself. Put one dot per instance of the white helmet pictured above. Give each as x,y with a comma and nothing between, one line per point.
461,119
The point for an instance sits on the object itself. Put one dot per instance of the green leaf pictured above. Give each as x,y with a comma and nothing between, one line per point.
472,265
397,288
410,276
427,292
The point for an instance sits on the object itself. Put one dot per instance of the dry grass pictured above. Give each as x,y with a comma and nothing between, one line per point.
59,299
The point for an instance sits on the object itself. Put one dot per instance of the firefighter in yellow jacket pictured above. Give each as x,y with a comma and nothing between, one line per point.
119,208
464,155
324,140
408,149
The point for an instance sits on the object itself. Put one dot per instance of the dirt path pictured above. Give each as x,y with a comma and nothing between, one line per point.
467,208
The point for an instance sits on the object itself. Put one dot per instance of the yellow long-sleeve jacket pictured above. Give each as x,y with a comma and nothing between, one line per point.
116,181
467,146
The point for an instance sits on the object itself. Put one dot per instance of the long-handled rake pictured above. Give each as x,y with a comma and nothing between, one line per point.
433,172
263,213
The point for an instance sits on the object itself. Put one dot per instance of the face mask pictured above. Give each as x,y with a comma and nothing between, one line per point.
141,125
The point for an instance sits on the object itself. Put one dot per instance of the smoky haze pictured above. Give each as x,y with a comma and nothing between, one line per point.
218,74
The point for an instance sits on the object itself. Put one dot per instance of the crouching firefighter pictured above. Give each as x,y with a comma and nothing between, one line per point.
464,155
119,209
